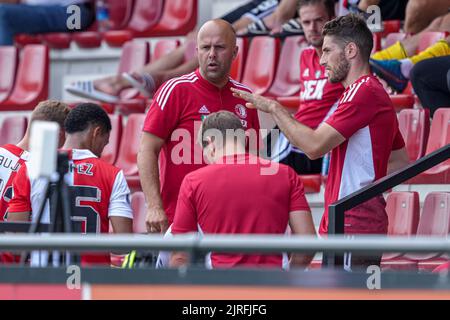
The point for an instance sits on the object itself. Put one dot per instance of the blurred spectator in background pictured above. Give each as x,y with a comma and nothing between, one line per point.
431,82
39,16
183,59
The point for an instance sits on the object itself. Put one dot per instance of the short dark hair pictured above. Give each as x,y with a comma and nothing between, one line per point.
51,110
328,4
84,115
224,122
351,28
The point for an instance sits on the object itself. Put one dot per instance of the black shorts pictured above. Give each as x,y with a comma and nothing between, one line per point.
255,10
282,151
302,164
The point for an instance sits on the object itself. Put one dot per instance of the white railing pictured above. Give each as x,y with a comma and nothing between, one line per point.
222,243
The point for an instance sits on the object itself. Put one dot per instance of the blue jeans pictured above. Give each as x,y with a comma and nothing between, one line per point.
32,19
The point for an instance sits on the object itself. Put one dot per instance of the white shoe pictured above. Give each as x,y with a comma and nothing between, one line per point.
140,84
87,90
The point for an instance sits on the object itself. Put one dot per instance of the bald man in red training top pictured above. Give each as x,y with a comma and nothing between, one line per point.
230,196
175,115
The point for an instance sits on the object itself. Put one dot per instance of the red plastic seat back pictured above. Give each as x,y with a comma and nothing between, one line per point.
129,146
178,18
376,36
32,77
287,78
146,14
8,64
135,55
403,210
427,39
414,125
111,150
139,208
163,47
390,26
13,129
440,130
237,68
435,215
120,13
260,73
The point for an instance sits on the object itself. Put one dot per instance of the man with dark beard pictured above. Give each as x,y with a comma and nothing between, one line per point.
318,97
362,133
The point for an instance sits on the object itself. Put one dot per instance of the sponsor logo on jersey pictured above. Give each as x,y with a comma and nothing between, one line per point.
306,72
318,74
241,111
313,90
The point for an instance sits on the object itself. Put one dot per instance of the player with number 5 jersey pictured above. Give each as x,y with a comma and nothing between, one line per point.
99,192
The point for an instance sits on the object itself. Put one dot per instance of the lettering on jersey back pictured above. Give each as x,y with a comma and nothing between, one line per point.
8,163
313,89
82,168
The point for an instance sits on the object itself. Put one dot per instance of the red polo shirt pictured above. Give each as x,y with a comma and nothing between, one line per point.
240,195
175,115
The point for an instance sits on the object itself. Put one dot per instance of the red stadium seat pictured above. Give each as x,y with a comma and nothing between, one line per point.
177,19
13,129
376,41
237,68
139,208
287,78
403,210
145,15
129,146
263,53
32,79
22,40
163,47
434,221
88,39
119,15
311,182
414,125
393,38
57,40
402,101
135,55
111,150
427,39
391,26
439,137
8,65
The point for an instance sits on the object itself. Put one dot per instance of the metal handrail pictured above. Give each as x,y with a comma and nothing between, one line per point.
222,243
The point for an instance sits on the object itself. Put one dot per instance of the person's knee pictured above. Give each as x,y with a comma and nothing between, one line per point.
445,23
448,79
435,25
418,71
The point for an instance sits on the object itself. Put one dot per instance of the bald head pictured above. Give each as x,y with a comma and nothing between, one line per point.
218,27
216,45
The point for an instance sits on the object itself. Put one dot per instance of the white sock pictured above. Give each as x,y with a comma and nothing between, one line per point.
405,66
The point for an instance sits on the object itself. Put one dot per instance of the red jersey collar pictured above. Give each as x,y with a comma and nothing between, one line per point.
19,152
241,158
79,154
208,84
